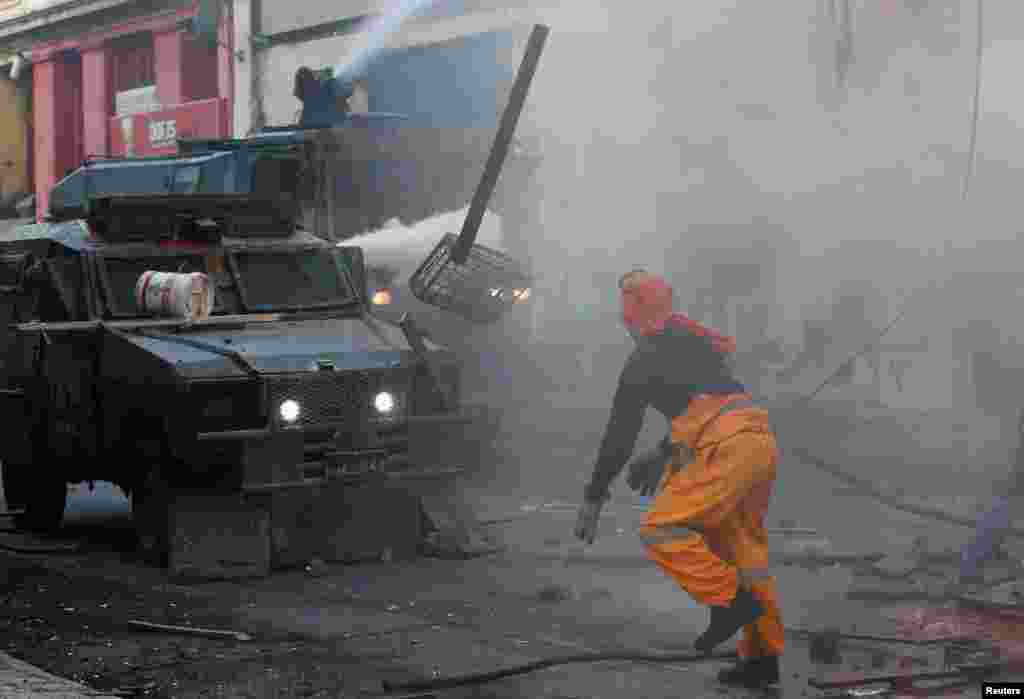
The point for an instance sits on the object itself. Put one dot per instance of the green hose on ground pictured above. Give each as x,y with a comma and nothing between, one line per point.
598,657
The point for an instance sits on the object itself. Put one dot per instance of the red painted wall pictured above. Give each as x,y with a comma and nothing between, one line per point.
97,101
199,70
70,120
73,106
170,83
57,115
45,95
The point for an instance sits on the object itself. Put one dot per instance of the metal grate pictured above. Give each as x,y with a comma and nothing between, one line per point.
480,290
334,397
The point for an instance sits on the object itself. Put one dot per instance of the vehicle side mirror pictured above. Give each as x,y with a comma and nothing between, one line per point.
350,257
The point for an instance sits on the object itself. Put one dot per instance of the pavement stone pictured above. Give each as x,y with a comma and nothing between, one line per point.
20,680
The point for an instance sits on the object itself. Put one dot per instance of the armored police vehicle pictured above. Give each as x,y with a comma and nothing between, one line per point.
282,379
172,328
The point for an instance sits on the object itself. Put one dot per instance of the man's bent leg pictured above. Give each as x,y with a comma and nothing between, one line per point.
684,554
766,636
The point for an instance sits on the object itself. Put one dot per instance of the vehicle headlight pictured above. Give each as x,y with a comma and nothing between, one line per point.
520,295
382,297
385,403
289,410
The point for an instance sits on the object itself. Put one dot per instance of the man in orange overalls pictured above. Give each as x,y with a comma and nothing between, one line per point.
713,476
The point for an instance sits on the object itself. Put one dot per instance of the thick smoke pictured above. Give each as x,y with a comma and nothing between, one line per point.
716,143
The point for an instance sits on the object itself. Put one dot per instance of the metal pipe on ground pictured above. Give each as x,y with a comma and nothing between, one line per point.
871,490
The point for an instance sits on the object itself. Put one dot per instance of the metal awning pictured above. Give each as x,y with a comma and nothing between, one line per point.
55,12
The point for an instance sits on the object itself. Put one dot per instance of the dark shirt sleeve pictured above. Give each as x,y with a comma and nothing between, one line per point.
623,428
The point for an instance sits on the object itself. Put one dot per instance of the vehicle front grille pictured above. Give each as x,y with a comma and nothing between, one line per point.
335,397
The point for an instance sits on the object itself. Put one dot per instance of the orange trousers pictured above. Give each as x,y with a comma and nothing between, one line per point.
706,525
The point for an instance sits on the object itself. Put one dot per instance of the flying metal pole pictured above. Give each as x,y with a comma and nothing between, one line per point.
502,142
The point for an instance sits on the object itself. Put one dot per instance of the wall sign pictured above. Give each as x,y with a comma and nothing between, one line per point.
157,133
163,133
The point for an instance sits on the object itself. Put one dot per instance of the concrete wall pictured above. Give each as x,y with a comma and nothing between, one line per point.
15,103
9,9
15,115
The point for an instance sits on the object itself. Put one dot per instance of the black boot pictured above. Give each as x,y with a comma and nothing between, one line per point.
752,673
726,621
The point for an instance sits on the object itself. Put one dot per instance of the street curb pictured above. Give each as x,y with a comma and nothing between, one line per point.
21,680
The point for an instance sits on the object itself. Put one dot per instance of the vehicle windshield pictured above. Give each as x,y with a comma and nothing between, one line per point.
270,280
279,280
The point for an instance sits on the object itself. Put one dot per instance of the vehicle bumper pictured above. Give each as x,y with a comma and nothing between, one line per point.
458,418
425,449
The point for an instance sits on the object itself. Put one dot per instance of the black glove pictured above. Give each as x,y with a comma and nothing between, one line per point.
646,470
586,520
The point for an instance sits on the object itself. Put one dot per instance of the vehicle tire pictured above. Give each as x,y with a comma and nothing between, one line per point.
150,512
45,498
14,491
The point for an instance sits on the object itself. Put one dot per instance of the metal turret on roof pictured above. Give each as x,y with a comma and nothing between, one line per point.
195,217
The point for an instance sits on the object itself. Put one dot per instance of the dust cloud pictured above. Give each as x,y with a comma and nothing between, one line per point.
795,200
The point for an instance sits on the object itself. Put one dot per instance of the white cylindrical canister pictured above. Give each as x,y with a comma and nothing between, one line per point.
188,296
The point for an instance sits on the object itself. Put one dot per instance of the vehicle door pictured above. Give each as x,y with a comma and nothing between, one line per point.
16,357
68,359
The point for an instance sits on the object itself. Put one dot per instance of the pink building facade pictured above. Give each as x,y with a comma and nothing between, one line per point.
131,88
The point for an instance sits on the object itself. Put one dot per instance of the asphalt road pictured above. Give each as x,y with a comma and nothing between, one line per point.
329,635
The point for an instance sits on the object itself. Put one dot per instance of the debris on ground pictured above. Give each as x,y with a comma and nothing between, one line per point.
807,546
905,681
555,593
897,566
237,635
824,647
317,568
456,531
21,542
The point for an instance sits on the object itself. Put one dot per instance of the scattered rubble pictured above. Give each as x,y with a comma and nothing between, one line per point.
824,647
317,568
20,542
897,566
555,593
237,635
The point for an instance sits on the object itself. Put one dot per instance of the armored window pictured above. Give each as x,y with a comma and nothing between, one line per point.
380,276
278,280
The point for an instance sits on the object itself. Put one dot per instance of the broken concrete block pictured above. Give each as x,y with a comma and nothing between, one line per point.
806,546
1011,593
897,566
555,593
824,648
